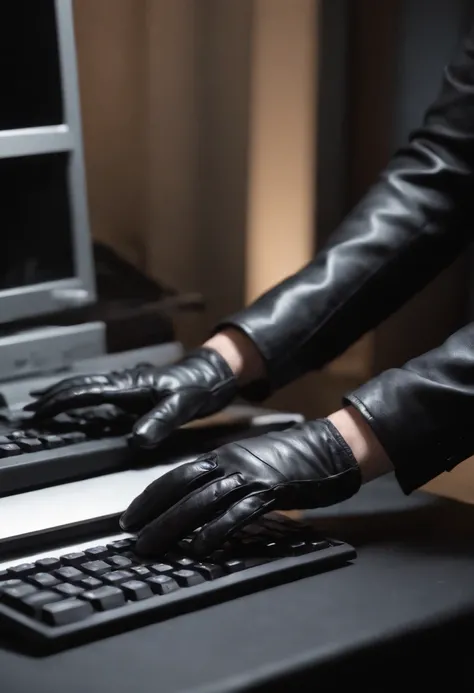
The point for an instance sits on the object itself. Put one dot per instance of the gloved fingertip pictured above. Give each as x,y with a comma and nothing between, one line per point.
37,393
125,522
129,520
39,414
148,433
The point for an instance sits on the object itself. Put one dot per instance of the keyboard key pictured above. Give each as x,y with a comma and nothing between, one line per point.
97,552
234,565
5,584
74,437
68,590
188,578
43,580
33,603
90,583
274,548
14,594
9,450
183,562
32,433
319,545
96,567
20,571
51,442
210,571
30,444
117,577
161,568
74,558
140,571
16,435
4,440
65,612
70,574
48,564
162,584
121,545
297,548
105,598
135,590
119,562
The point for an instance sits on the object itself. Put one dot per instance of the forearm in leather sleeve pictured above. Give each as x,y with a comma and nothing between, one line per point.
410,226
423,413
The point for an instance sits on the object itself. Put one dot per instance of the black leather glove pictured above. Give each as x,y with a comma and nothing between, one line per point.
306,466
199,385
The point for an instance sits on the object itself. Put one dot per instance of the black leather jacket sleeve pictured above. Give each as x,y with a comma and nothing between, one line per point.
423,413
412,223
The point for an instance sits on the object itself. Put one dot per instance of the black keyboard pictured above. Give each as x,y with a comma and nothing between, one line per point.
71,446
59,602
90,442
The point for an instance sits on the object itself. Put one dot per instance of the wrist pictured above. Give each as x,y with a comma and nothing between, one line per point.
364,444
240,353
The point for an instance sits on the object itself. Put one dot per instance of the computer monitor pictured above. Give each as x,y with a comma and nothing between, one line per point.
45,243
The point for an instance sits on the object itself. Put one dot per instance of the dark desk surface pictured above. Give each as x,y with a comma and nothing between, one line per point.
410,577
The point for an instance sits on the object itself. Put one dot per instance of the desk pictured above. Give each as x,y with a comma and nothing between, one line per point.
411,579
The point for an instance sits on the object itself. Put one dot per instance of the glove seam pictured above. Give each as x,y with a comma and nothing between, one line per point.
242,447
320,482
372,421
342,442
207,354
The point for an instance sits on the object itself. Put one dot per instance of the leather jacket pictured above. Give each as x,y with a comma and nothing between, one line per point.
412,223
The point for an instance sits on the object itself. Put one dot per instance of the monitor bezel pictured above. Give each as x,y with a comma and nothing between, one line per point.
42,299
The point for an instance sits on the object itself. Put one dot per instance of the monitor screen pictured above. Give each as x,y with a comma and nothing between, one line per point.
35,221
30,72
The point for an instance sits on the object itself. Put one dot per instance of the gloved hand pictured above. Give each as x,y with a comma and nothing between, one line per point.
199,385
306,466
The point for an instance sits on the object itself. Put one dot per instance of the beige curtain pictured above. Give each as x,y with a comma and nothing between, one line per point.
199,122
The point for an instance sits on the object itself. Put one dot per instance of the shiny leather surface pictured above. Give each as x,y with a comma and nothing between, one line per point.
413,222
197,386
306,466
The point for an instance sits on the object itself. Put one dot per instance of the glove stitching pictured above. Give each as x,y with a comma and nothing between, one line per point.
342,442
